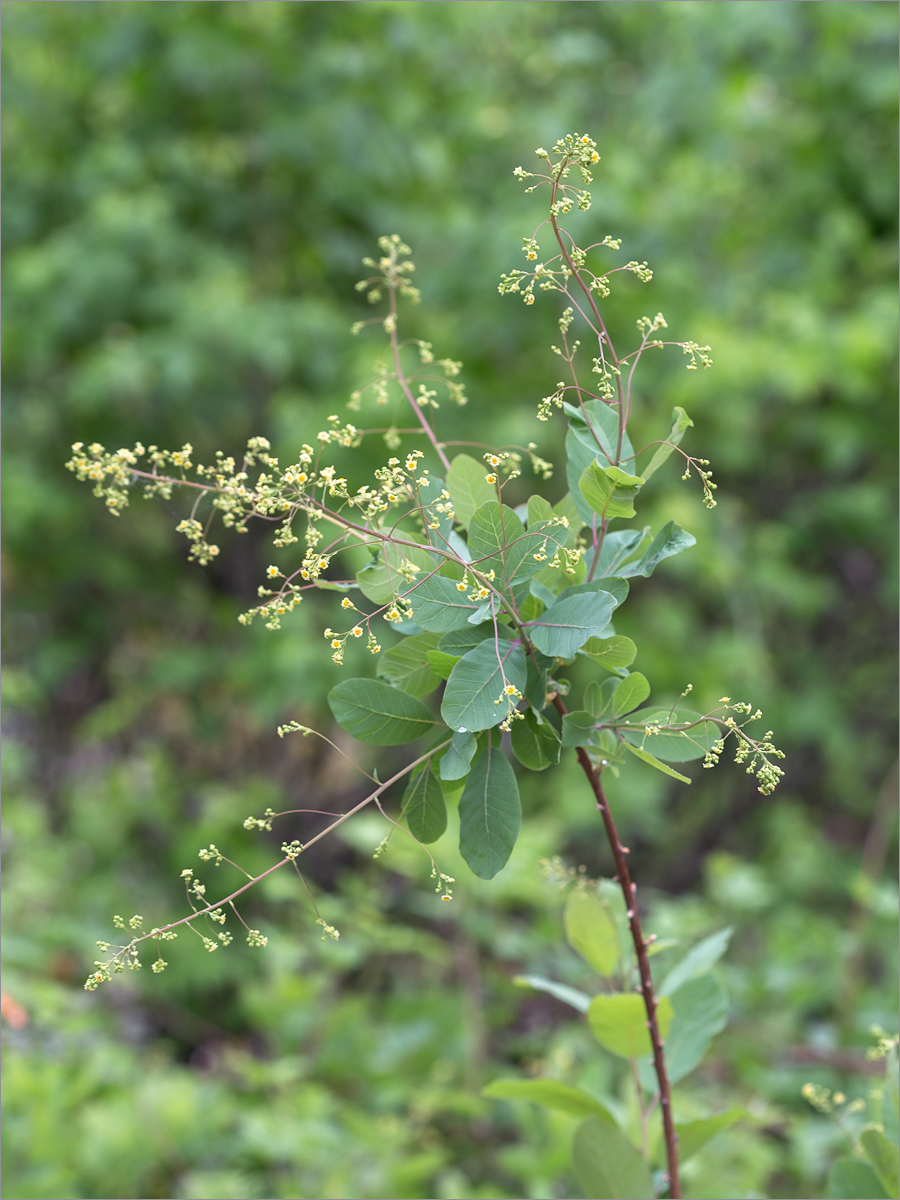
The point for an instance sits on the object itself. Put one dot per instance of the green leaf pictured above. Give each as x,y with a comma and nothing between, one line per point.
593,435
458,758
599,697
568,624
890,1104
538,509
376,713
439,606
884,1158
498,542
612,585
442,664
616,549
490,813
680,422
852,1179
534,742
701,1011
614,653
380,580
632,691
693,1135
607,1165
406,665
670,745
537,666
550,1093
478,680
578,728
424,807
591,930
610,491
654,762
619,1023
671,539
468,487
580,1001
700,958
460,641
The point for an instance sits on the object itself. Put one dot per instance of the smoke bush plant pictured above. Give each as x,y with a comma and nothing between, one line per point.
492,603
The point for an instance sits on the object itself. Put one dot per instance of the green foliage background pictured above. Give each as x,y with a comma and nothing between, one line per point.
189,189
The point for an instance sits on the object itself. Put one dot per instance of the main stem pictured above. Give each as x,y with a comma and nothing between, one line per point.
629,891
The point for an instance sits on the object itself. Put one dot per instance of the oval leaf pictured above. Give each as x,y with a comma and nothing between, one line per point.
424,807
478,680
606,1164
439,605
468,487
619,1023
406,665
534,743
490,813
610,491
701,1011
376,713
568,624
551,1093
591,930
632,691
458,758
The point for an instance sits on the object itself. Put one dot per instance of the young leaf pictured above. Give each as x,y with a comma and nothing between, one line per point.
700,958
612,585
670,745
701,1011
406,665
478,681
580,1001
599,697
534,742
439,606
632,691
498,542
468,487
538,510
376,713
551,1093
693,1135
568,624
616,548
458,758
577,729
884,1158
380,580
442,664
614,653
671,539
424,807
654,762
606,1164
610,491
680,422
619,1023
460,641
593,435
536,681
490,813
853,1179
591,930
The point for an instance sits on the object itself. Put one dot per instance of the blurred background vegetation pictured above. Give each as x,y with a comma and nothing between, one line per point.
189,189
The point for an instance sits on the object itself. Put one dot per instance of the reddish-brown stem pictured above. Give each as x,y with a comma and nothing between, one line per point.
629,890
